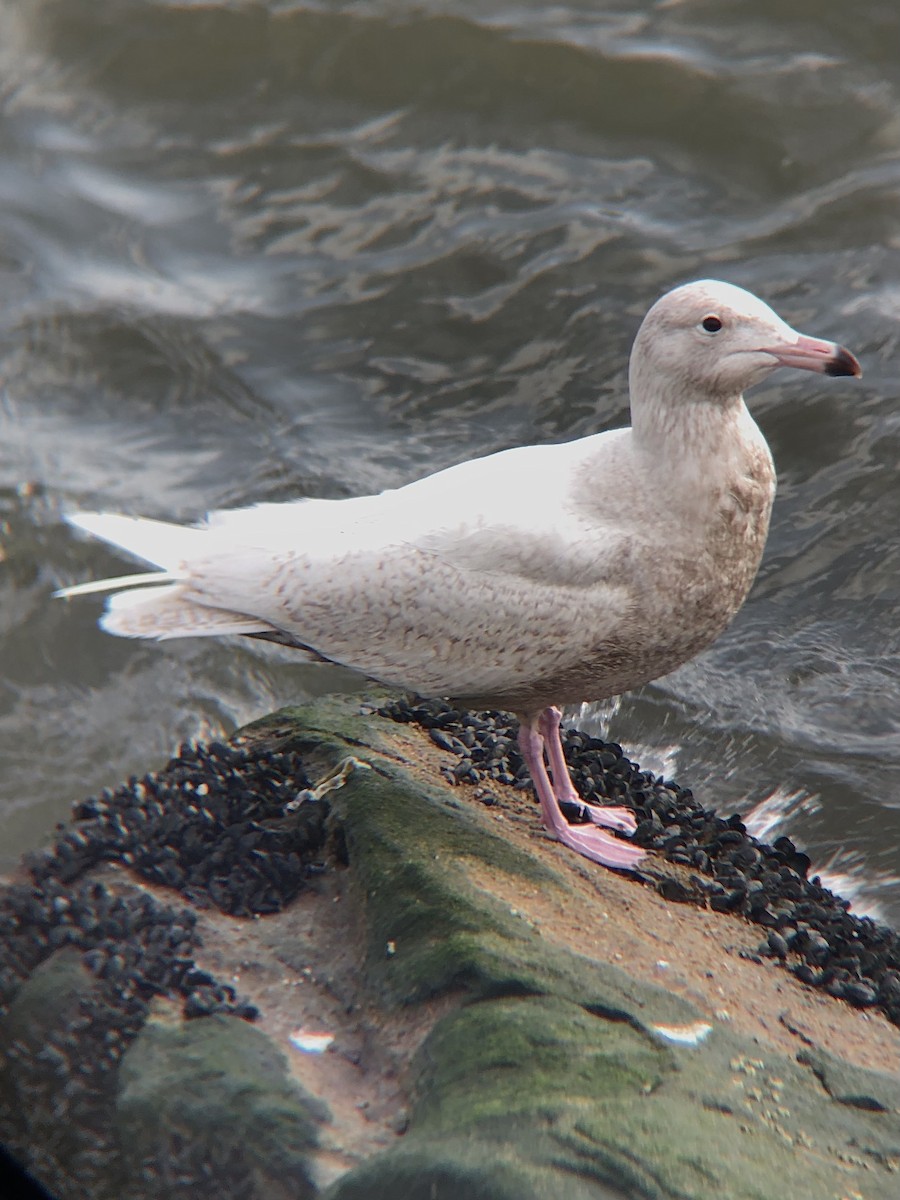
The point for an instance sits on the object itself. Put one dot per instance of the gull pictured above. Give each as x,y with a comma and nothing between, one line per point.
522,580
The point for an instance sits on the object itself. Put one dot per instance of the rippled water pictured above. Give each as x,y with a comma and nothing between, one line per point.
256,251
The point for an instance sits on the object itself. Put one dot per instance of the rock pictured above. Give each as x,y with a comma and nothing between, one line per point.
211,1101
55,1098
854,1086
465,1031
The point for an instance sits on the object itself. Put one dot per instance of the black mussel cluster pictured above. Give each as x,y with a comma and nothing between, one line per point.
227,826
809,929
134,946
216,823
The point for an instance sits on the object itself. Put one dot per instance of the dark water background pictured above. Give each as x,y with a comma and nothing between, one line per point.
255,251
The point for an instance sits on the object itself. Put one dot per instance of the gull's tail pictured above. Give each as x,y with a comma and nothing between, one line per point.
166,611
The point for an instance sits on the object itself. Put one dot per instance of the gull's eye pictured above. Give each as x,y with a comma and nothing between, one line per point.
711,324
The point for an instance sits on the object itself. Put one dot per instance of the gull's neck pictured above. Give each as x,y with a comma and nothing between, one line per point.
673,428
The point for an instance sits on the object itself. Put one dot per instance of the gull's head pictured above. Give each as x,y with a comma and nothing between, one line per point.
711,340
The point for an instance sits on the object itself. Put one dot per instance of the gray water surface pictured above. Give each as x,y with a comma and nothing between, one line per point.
257,251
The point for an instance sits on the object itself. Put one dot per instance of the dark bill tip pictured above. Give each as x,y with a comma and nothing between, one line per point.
843,363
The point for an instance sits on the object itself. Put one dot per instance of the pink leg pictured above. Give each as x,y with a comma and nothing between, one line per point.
587,840
610,816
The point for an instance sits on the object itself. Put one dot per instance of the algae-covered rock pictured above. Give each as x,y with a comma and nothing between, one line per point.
853,1086
535,1097
208,1105
486,1042
55,1098
453,1169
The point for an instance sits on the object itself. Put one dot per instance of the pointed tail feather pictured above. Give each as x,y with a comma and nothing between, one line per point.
158,542
161,612
108,585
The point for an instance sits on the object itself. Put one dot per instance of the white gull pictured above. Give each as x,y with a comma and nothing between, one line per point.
534,577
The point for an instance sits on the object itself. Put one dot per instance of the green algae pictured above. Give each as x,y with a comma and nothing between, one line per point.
250,1124
572,1057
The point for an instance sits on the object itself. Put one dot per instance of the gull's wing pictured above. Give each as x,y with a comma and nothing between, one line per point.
477,578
